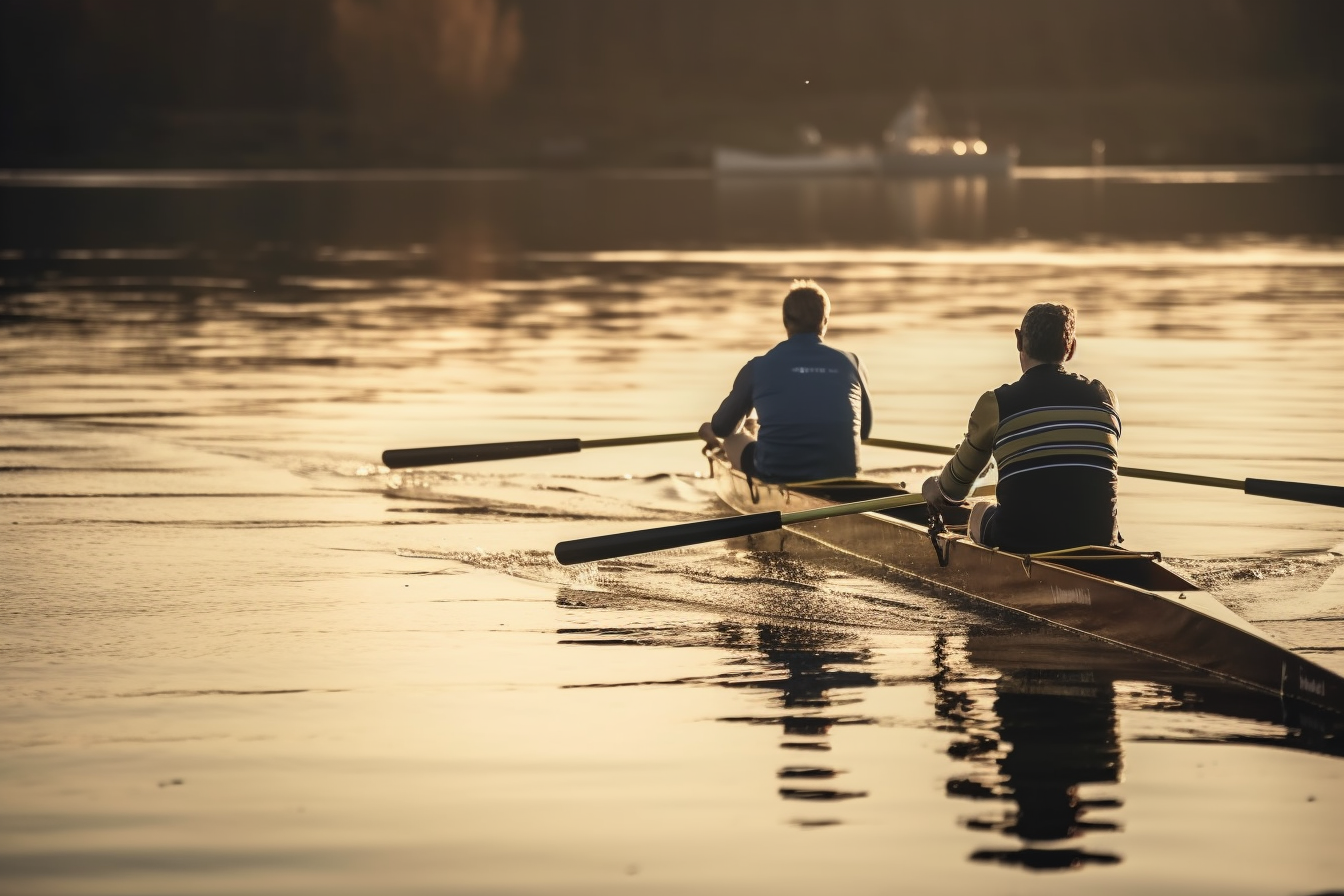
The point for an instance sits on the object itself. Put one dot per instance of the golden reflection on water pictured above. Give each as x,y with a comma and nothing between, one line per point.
237,657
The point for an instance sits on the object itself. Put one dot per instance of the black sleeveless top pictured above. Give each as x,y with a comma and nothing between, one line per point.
1056,448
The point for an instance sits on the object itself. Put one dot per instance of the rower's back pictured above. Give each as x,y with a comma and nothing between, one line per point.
1056,449
1055,436
809,397
811,400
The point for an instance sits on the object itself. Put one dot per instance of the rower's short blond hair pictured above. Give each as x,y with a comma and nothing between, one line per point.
1047,331
806,307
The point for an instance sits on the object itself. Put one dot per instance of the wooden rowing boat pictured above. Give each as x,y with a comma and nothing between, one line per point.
1127,598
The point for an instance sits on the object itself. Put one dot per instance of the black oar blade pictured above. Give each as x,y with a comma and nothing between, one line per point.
621,544
1332,495
397,458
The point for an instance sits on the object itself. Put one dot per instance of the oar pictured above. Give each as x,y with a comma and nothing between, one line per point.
910,446
1306,492
396,458
604,547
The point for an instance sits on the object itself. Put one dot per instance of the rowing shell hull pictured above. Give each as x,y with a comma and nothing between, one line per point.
1132,600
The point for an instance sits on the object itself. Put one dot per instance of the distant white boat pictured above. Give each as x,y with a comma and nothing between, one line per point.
943,163
840,161
909,149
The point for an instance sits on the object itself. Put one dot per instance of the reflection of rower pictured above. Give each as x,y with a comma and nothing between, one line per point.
1050,731
808,659
1061,738
1048,725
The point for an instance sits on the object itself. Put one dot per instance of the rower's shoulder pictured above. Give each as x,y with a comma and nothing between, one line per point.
1097,386
1057,383
816,350
1094,383
833,350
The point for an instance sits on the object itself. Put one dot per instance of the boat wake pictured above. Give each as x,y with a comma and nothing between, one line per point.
735,583
663,497
1287,586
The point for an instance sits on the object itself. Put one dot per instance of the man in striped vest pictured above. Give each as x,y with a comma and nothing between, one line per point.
1054,435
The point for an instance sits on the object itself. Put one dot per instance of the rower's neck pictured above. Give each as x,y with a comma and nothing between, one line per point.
1028,362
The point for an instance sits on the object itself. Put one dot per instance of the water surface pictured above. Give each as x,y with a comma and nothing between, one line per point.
239,655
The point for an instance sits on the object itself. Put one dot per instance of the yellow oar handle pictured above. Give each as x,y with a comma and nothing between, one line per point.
872,504
639,440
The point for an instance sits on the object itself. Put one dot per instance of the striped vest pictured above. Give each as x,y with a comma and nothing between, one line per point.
1056,449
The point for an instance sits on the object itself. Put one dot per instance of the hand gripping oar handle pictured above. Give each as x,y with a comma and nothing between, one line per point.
397,458
621,544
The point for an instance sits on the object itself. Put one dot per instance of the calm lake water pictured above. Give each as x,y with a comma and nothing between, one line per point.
239,656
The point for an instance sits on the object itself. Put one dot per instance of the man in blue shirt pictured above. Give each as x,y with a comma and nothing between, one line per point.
812,402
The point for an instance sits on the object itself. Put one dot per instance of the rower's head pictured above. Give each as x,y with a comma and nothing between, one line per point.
807,308
1046,335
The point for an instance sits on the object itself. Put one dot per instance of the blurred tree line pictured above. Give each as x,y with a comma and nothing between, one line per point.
443,82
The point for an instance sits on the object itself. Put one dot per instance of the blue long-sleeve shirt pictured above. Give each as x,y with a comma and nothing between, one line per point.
814,408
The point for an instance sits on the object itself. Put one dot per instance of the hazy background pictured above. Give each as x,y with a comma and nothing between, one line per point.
237,655
657,82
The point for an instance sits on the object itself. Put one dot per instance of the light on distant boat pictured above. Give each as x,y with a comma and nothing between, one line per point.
910,146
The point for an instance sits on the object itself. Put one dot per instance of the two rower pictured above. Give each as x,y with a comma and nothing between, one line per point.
1053,434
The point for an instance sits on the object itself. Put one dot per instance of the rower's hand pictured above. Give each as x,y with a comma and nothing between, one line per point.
933,496
707,433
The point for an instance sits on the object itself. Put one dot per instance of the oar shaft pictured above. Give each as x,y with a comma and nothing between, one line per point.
621,544
398,458
639,440
1188,479
871,505
1305,492
910,446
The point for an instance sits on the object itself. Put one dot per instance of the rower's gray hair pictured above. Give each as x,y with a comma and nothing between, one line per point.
1047,331
806,307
